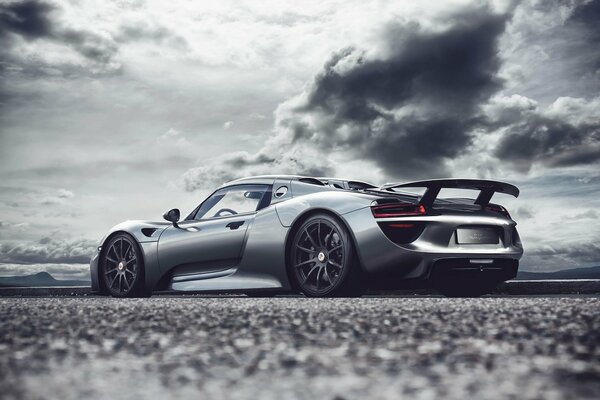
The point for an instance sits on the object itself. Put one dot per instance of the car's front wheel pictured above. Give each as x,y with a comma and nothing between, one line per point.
122,267
322,259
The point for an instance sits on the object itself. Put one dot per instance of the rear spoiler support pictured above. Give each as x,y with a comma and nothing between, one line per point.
487,188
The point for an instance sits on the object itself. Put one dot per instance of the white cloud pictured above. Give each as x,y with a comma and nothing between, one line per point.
172,138
575,110
257,116
501,106
48,250
58,197
64,194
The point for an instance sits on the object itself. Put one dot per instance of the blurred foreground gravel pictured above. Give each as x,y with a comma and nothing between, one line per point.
237,347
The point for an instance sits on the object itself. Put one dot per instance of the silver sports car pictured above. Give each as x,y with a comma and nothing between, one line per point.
266,235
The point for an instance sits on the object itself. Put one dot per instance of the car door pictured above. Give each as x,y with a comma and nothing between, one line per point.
212,238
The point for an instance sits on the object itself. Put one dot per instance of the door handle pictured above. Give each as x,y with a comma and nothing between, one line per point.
234,225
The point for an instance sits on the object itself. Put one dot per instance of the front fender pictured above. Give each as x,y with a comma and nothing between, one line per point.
146,233
142,231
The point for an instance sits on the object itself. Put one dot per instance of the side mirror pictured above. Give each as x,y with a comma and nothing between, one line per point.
172,216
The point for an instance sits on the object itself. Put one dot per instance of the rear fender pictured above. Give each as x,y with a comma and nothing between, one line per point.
338,203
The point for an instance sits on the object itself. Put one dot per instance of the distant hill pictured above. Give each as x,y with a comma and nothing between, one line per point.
39,279
575,273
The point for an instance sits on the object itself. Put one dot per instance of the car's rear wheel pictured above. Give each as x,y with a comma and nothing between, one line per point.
322,259
122,267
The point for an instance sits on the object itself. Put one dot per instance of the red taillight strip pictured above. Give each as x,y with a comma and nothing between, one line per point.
400,210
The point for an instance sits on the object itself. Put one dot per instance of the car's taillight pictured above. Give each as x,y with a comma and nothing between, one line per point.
498,209
397,210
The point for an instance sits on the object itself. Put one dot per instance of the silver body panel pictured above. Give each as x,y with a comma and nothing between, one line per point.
206,255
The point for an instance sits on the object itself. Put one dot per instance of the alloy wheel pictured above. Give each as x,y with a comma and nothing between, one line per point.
318,256
121,266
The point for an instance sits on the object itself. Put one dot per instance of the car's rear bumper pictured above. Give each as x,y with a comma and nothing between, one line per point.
416,260
495,269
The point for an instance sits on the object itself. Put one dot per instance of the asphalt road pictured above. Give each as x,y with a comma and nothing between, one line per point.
286,348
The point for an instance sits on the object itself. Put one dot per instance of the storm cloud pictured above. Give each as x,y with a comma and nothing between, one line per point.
409,106
413,107
585,17
35,20
567,135
29,19
567,132
417,101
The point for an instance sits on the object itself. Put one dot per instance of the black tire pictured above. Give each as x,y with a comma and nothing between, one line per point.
122,267
465,288
322,259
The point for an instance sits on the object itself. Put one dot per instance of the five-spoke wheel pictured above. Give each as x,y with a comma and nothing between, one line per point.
322,259
122,267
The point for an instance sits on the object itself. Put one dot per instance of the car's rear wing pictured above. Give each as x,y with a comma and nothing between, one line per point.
487,188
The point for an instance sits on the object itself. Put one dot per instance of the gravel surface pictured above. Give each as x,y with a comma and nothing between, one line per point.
236,347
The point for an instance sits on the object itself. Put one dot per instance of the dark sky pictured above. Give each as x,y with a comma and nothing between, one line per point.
120,110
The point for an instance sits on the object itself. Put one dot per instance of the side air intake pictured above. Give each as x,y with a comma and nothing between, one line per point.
148,232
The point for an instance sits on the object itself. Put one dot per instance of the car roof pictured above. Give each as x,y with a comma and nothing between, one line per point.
269,179
262,179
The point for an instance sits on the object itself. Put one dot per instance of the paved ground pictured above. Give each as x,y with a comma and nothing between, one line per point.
236,347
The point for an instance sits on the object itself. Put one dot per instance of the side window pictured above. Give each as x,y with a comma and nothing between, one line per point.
233,200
